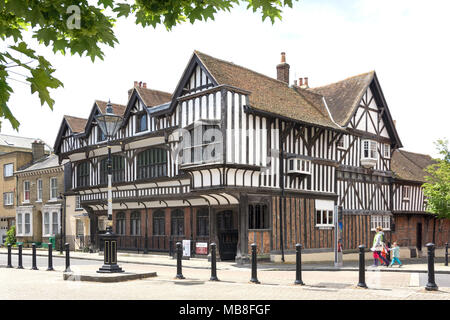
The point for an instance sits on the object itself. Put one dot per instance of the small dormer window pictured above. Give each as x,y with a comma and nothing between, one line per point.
405,193
100,135
343,143
386,150
141,122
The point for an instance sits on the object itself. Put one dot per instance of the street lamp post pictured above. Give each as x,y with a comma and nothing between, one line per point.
109,123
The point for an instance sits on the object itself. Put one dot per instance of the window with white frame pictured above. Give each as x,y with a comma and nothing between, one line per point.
27,223
380,221
78,203
369,150
50,223
8,170
406,191
386,150
39,190
46,223
342,143
8,198
53,188
55,223
26,191
79,228
324,213
19,224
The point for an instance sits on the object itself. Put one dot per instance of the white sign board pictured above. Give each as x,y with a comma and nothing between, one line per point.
186,248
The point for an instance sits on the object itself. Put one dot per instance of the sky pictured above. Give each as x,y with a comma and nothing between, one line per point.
405,42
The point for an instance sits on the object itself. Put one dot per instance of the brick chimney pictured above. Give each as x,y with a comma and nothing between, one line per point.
283,69
37,150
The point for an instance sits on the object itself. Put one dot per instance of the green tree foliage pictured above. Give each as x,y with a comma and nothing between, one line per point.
437,187
79,27
11,236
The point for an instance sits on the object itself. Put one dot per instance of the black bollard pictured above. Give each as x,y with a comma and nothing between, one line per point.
9,256
362,268
50,257
254,278
20,266
446,254
179,256
67,258
34,266
298,269
431,285
213,263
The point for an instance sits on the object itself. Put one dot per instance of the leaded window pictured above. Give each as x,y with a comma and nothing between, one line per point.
152,163
135,223
177,220
118,169
203,144
83,174
258,216
203,222
120,223
159,223
141,122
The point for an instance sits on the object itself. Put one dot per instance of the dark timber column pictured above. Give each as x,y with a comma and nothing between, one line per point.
213,228
242,246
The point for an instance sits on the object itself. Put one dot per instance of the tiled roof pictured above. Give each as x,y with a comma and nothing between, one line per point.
49,162
343,97
153,97
76,124
118,109
19,142
269,94
410,166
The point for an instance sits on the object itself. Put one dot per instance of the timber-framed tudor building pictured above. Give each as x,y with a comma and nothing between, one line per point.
236,157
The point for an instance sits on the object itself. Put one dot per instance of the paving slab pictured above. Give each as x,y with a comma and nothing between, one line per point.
106,277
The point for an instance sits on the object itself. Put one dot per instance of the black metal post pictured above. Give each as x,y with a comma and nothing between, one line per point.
146,231
254,277
34,266
50,257
67,258
179,256
20,266
362,268
60,232
431,285
446,254
213,263
9,256
298,269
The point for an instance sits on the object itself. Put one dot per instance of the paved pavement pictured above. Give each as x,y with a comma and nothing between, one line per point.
276,283
409,265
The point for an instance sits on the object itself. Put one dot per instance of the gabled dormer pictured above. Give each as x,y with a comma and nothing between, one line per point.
70,128
92,132
137,120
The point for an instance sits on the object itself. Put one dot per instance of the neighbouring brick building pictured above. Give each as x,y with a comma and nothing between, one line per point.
15,152
414,226
40,189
